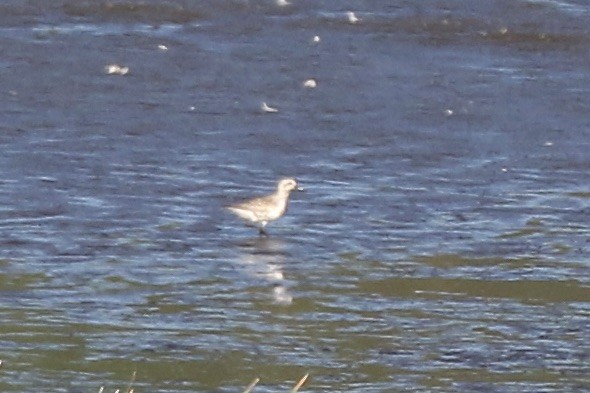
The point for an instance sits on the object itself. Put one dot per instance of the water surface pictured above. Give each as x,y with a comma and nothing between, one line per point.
442,244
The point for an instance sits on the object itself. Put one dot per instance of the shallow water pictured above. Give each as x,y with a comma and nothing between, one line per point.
442,243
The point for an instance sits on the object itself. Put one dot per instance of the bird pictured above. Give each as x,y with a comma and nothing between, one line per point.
260,211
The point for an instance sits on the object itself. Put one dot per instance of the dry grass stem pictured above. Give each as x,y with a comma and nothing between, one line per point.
300,383
129,385
131,381
251,386
248,389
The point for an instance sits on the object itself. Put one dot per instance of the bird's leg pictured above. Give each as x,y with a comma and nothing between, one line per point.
262,232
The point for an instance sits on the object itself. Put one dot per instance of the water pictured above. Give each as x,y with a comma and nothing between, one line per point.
442,243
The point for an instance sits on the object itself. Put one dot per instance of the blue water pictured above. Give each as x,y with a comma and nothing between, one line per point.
441,243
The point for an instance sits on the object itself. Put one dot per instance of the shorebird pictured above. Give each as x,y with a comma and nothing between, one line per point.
260,211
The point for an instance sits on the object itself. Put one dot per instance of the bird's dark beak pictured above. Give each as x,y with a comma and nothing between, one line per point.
300,188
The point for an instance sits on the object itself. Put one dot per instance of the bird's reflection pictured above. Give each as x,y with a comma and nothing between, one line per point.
263,258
